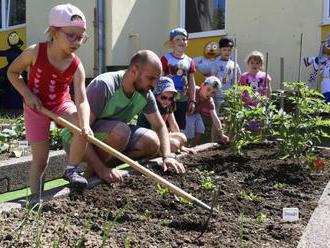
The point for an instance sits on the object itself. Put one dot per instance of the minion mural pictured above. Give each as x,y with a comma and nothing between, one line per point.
11,46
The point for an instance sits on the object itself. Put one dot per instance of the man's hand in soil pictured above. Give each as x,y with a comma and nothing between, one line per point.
224,139
188,150
172,163
112,175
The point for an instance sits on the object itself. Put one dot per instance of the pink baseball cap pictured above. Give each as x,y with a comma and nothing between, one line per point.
61,16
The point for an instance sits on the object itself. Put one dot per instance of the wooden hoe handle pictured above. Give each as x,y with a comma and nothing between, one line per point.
135,165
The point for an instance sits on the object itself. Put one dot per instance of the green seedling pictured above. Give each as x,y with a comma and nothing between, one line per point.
164,192
261,218
166,222
183,200
208,184
128,240
39,229
108,225
147,215
55,137
279,185
58,241
81,242
251,197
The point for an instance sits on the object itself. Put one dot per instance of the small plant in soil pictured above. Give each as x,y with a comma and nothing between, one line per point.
81,241
163,191
147,215
261,218
279,185
55,137
128,241
208,184
108,225
58,241
166,222
183,201
206,179
251,197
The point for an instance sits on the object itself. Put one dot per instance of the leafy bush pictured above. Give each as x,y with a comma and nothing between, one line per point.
16,132
240,116
298,132
11,134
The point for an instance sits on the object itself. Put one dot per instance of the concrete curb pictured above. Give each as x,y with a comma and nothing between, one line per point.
94,181
14,172
316,233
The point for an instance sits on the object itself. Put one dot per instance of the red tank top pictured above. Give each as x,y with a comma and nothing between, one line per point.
47,82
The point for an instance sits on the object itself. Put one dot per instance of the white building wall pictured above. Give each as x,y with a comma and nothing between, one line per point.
275,27
137,24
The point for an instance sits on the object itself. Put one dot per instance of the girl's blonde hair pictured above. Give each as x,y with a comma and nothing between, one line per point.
256,56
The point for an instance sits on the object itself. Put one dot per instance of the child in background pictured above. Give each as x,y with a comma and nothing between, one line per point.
224,69
204,106
53,66
180,68
257,79
165,94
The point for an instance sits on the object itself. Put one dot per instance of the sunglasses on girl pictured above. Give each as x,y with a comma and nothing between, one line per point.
171,99
72,37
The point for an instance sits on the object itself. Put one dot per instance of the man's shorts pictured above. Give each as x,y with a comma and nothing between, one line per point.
37,124
102,128
194,124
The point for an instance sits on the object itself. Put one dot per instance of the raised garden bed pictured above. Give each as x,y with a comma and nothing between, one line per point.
135,213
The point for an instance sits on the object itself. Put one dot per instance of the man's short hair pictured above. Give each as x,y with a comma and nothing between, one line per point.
143,57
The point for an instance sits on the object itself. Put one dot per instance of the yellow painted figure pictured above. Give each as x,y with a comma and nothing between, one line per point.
204,63
10,97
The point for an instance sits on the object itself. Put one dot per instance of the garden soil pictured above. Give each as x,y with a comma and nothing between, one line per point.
253,191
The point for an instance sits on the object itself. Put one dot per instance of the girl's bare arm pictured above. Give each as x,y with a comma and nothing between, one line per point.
81,100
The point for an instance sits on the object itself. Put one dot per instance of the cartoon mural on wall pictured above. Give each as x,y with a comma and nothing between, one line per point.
10,98
204,63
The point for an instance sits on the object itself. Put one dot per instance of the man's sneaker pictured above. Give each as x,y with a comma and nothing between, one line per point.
77,181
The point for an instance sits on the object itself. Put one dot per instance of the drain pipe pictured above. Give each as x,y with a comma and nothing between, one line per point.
100,37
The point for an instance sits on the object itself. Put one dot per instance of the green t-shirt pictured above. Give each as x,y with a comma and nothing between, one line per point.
108,101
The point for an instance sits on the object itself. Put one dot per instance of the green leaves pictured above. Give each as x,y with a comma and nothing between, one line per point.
15,132
296,130
299,131
240,117
162,191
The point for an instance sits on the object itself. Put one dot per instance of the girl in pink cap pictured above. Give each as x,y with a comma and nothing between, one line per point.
53,66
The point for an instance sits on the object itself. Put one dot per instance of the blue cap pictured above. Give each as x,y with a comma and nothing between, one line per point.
178,31
165,84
